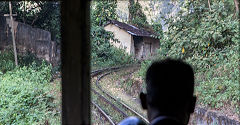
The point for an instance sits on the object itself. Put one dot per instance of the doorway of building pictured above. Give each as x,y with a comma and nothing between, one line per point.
138,46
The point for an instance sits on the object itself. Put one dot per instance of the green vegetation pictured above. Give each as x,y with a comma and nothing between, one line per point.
28,95
109,109
7,62
137,17
122,85
25,92
103,53
208,39
40,14
103,11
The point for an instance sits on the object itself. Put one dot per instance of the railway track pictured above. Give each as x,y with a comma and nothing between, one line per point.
201,116
103,113
121,109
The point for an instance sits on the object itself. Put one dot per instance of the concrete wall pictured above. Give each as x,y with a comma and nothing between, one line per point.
132,48
124,38
150,47
144,49
5,36
31,39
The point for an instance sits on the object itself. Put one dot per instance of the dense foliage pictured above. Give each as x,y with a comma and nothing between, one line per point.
137,17
103,53
40,14
209,41
25,92
8,64
103,11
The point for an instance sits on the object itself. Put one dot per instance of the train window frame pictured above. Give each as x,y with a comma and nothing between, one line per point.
75,61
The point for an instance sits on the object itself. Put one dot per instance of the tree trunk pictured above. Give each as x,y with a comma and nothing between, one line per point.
24,12
13,35
131,3
236,2
36,17
209,6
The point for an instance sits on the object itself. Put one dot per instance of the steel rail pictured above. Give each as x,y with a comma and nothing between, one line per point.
107,101
103,113
124,105
95,73
112,69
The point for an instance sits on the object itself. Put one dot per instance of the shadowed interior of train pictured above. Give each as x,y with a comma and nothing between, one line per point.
75,58
75,62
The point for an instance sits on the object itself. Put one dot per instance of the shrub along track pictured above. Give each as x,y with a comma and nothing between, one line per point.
111,109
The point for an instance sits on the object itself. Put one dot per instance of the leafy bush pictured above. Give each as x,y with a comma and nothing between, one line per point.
144,66
200,33
7,62
103,54
103,11
138,18
28,58
219,85
209,41
24,97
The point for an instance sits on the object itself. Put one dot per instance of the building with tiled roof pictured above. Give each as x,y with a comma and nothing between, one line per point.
138,42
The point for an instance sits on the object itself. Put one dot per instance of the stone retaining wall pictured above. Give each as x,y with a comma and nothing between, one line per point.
29,39
202,116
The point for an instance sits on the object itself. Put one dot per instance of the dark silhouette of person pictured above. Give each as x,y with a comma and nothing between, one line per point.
169,99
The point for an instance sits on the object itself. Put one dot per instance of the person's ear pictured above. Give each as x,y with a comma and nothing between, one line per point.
192,104
143,98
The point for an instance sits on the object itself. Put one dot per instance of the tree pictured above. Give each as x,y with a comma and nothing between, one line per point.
131,3
200,32
103,12
236,2
209,41
44,15
136,15
13,36
103,53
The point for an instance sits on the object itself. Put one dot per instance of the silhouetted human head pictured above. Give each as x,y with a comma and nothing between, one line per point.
170,87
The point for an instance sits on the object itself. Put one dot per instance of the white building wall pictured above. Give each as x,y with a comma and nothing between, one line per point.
132,46
124,38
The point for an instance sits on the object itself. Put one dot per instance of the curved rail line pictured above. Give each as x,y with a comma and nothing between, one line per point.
117,101
113,69
107,101
103,113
